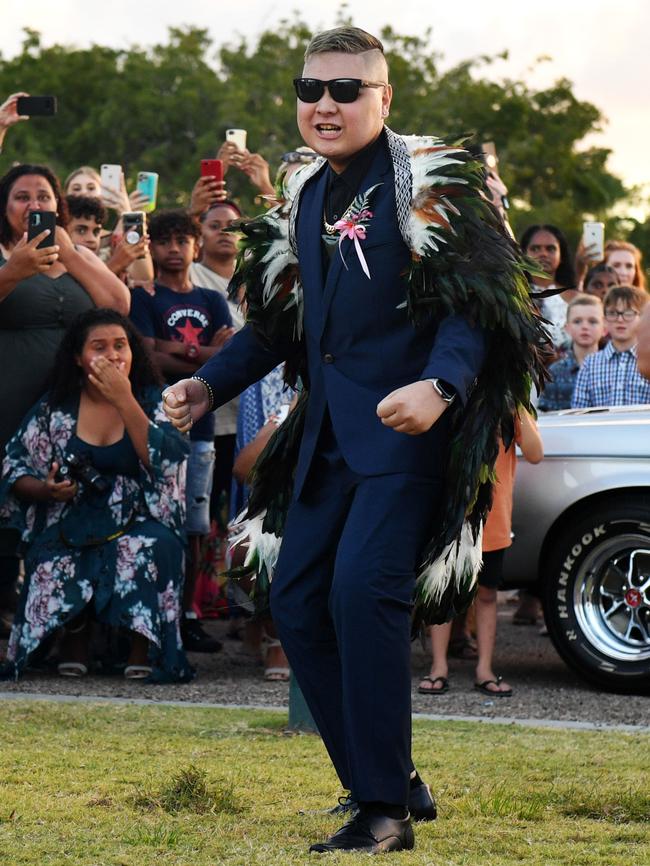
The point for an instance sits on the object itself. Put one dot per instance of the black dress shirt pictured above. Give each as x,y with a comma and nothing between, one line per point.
342,189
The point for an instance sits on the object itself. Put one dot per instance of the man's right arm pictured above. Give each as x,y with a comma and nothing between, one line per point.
242,361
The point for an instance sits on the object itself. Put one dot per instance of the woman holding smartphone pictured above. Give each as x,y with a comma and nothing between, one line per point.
41,291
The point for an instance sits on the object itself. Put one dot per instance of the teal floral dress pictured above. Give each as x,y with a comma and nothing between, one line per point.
121,549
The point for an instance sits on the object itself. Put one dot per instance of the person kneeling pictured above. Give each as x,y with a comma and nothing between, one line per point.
95,481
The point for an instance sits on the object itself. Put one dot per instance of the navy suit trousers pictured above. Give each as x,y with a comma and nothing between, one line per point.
341,602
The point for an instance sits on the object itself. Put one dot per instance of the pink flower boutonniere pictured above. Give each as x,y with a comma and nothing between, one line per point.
353,225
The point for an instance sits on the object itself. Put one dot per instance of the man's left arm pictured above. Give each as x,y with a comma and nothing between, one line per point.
455,360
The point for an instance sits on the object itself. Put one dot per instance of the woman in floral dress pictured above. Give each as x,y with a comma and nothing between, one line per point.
115,542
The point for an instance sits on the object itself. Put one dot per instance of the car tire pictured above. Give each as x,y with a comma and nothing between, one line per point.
596,604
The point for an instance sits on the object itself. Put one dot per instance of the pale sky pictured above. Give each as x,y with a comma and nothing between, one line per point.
602,47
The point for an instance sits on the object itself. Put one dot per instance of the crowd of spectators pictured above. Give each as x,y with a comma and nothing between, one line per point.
106,506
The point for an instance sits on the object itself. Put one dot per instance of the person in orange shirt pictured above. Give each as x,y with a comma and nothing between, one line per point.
496,539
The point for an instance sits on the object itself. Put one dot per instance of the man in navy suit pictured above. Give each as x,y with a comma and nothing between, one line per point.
369,475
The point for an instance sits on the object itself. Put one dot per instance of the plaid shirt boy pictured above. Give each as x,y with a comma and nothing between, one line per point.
610,378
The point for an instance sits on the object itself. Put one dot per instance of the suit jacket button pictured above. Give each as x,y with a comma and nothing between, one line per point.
328,359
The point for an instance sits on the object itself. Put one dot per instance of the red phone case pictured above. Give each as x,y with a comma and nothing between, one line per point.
212,168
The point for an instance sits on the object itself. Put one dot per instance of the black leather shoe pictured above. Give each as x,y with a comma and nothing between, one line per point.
421,805
370,834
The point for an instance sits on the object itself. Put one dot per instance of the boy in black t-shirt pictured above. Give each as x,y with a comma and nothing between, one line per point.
183,326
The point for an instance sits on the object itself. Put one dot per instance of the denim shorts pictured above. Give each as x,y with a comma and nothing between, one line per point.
200,465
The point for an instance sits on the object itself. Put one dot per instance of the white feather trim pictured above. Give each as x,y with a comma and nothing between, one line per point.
265,545
277,258
460,560
425,163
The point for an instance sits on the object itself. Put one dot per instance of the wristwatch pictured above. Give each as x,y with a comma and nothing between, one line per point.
445,390
191,351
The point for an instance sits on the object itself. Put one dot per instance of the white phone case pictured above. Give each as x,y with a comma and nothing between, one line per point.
111,176
238,137
593,234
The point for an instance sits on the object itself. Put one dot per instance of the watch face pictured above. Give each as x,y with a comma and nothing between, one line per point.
443,389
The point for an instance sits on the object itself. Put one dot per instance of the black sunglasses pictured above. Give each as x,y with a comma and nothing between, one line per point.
340,89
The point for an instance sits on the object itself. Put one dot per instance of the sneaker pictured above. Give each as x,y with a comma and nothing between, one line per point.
196,639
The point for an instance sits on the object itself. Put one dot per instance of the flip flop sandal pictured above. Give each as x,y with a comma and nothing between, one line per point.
137,672
493,693
274,674
71,669
444,686
277,675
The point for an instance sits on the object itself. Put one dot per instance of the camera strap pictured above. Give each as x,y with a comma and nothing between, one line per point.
95,542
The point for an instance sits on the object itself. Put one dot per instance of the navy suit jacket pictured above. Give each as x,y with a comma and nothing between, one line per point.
359,341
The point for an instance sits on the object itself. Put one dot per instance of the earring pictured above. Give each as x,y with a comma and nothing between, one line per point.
384,112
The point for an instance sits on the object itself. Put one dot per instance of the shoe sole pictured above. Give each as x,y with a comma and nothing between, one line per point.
383,847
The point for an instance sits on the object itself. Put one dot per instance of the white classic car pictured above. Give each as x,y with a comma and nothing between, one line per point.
581,525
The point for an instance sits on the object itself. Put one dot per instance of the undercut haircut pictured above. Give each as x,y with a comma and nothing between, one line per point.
345,40
172,223
632,296
86,207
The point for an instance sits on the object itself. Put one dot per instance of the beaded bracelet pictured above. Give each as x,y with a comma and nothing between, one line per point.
209,390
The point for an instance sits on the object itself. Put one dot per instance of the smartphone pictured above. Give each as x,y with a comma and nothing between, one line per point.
135,226
490,158
38,221
111,177
212,168
488,154
593,235
36,106
237,137
148,185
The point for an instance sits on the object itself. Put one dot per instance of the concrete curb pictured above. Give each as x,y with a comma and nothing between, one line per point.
557,724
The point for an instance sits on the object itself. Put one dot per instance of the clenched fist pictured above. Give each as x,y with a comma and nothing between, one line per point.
186,402
413,409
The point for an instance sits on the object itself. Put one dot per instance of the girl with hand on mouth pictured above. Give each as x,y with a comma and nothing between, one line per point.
105,541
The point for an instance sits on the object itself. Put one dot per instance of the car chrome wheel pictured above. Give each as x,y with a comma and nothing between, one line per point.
612,598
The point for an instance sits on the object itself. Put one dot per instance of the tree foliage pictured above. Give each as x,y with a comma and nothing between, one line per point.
163,108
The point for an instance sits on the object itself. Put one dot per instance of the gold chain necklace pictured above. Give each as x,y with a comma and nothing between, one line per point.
330,228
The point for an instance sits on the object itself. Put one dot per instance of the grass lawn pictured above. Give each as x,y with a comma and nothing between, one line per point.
105,785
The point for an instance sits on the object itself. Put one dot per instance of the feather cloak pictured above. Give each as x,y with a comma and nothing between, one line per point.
462,261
